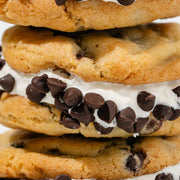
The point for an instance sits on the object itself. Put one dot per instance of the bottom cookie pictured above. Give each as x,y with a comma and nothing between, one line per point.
34,156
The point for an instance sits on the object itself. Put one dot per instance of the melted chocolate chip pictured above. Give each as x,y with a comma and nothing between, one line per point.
7,82
33,94
93,100
56,86
69,122
60,105
177,91
101,129
72,97
163,176
82,113
135,161
176,114
60,2
126,120
39,82
108,111
162,112
126,2
2,63
63,177
145,100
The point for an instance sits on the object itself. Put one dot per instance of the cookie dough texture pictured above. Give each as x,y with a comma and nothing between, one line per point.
137,55
24,154
19,113
92,14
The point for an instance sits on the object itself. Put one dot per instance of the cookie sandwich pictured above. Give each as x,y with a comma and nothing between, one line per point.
113,83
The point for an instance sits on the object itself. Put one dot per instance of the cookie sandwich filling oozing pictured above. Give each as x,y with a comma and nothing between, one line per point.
132,108
120,2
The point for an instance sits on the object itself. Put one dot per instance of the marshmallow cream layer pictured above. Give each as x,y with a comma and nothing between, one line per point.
114,1
123,95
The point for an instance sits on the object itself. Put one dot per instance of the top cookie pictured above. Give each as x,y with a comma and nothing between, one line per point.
91,14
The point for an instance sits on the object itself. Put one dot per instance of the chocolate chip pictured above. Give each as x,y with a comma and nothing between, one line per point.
7,82
63,177
135,161
69,122
0,49
82,113
145,101
93,100
56,86
140,124
177,91
39,82
163,176
131,163
126,2
60,105
108,111
2,63
176,114
163,112
126,119
33,94
60,2
102,129
150,127
72,97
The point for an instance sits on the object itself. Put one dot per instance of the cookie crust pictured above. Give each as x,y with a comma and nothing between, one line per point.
125,56
29,155
91,14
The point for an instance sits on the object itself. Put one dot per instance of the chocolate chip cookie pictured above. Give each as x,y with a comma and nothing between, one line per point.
73,15
29,155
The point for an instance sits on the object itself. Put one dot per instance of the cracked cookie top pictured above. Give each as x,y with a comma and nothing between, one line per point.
136,55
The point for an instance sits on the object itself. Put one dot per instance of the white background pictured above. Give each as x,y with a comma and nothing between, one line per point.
4,26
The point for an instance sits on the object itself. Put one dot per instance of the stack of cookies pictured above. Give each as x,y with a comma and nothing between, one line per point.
92,88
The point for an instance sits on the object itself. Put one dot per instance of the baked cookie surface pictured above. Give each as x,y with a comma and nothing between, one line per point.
137,55
29,155
90,14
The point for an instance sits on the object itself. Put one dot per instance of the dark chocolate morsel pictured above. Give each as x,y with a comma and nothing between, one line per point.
7,82
126,2
176,114
72,97
126,119
101,129
82,114
108,111
56,86
39,82
163,176
140,124
162,112
33,94
70,123
135,161
2,63
177,91
93,100
60,105
60,2
145,100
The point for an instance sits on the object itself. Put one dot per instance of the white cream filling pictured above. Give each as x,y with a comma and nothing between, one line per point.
123,95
